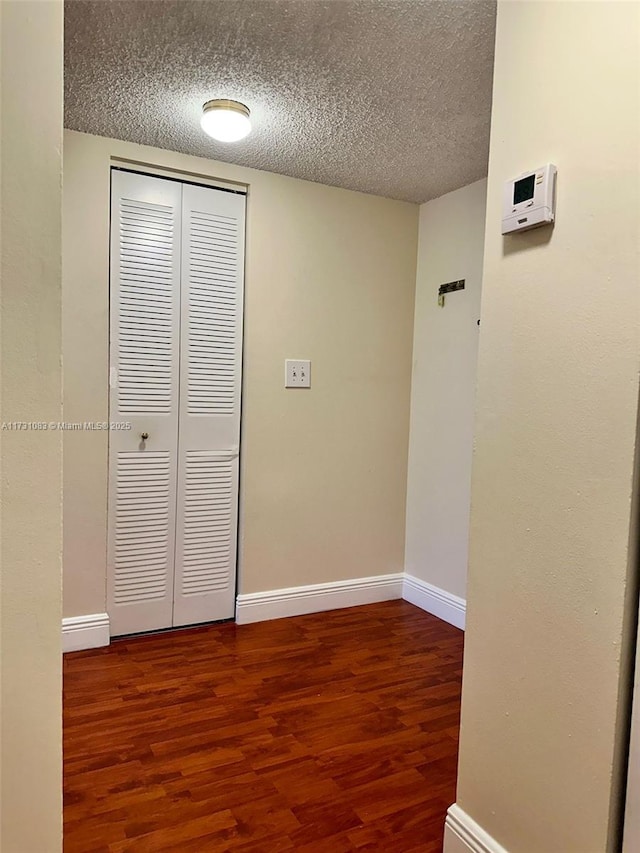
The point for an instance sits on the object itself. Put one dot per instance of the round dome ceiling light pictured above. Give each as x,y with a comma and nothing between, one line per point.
226,121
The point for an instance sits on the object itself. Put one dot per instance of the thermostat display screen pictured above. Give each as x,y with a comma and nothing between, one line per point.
529,200
524,189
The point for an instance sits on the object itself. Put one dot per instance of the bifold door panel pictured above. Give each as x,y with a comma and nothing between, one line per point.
210,381
177,258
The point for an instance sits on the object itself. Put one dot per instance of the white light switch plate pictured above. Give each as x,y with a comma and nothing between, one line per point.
297,373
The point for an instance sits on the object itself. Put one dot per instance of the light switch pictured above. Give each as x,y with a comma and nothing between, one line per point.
297,373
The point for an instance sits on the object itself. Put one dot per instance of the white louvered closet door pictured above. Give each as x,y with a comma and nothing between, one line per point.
146,216
210,382
177,263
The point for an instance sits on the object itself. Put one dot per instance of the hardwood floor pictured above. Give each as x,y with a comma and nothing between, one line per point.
330,732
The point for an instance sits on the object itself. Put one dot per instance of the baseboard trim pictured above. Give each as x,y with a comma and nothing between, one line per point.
92,631
299,600
463,835
434,600
85,632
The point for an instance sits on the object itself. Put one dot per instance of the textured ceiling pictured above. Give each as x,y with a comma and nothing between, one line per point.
390,97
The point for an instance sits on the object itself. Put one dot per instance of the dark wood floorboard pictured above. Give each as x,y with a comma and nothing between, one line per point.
330,732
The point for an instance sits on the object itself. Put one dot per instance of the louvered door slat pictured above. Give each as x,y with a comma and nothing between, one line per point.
145,291
145,316
211,347
207,549
212,310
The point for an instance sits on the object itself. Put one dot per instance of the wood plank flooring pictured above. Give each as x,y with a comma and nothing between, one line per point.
330,732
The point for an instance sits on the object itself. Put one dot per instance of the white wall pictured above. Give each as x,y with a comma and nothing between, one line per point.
30,459
445,352
549,598
330,276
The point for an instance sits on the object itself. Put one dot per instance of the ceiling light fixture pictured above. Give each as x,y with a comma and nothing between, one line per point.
224,120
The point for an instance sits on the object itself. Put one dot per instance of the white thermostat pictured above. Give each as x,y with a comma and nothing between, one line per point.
529,200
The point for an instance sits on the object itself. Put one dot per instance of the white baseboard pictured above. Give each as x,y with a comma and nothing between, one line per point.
85,632
92,631
463,835
434,600
298,600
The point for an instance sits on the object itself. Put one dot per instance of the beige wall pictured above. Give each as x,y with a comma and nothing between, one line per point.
555,434
330,276
445,357
30,460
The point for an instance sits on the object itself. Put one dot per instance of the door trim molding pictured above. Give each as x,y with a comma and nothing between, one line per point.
85,632
298,600
124,164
